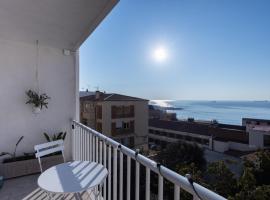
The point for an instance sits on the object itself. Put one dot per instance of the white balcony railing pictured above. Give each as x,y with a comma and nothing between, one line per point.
89,144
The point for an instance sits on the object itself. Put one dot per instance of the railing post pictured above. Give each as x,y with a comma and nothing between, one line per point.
121,177
128,177
110,172
176,192
160,187
105,165
147,183
97,149
137,193
114,173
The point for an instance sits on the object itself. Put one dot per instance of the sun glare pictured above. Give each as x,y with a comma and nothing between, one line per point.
160,54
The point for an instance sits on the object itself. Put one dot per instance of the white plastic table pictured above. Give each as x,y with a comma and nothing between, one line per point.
73,177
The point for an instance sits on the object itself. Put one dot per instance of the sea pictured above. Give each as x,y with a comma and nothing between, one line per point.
228,112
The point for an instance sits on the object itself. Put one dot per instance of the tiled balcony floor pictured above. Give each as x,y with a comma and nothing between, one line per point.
25,188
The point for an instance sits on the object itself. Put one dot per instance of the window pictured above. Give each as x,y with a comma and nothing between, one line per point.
122,111
99,127
188,138
163,133
179,136
84,121
151,131
99,112
126,125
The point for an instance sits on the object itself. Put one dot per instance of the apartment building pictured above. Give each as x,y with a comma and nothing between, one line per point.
259,132
253,135
124,118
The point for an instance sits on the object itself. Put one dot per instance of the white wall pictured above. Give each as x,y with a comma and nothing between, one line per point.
240,146
256,139
220,146
57,78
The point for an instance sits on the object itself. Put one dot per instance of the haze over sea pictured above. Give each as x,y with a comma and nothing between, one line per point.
229,112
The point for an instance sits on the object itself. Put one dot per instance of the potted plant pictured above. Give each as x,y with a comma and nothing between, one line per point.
58,136
38,101
14,166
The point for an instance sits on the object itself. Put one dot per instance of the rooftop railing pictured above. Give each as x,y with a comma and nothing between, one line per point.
91,145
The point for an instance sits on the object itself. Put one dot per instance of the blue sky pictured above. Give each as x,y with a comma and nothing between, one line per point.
216,50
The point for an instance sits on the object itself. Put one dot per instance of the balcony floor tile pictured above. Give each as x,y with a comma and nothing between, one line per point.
25,188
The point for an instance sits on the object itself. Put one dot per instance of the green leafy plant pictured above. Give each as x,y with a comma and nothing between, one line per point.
13,155
57,136
37,100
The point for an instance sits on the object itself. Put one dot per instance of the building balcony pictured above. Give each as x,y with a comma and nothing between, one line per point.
122,131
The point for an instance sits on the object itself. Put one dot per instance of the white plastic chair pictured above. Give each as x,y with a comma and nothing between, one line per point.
49,148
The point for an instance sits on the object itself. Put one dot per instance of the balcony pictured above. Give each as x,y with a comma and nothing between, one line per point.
51,66
125,168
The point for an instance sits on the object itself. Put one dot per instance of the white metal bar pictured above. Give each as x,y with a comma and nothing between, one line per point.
73,141
100,152
105,165
88,146
195,197
80,141
110,172
83,144
121,177
160,187
94,148
91,147
147,184
128,177
176,192
97,149
76,143
114,173
137,192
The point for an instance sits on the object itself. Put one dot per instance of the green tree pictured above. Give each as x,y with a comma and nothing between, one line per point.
262,172
221,179
183,153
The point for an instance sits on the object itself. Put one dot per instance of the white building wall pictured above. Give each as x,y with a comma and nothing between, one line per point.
240,146
58,77
256,139
140,118
220,146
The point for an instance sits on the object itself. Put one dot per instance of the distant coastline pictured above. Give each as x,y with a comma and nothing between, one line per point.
230,112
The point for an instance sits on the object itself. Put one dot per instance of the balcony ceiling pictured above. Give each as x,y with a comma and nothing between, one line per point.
57,23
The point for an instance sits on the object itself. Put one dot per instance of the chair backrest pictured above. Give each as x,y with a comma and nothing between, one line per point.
49,148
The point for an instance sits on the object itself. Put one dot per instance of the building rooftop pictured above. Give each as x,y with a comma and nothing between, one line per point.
254,119
261,128
110,97
218,133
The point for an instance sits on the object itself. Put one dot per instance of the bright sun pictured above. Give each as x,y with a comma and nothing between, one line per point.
160,54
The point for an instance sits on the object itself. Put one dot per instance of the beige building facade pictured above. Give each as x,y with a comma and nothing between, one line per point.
120,117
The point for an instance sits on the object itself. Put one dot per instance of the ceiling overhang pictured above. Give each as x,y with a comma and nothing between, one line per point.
58,23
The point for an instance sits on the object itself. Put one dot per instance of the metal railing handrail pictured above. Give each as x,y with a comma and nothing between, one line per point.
168,174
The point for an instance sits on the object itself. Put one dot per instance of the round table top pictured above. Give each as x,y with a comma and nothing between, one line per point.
72,177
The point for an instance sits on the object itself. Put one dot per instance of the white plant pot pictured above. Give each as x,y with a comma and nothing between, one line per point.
36,110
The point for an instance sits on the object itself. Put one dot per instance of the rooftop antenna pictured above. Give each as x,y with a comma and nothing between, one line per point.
97,88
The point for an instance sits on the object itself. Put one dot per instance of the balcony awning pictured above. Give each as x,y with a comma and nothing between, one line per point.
58,23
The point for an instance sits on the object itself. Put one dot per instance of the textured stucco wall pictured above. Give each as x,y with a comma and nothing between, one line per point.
58,76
